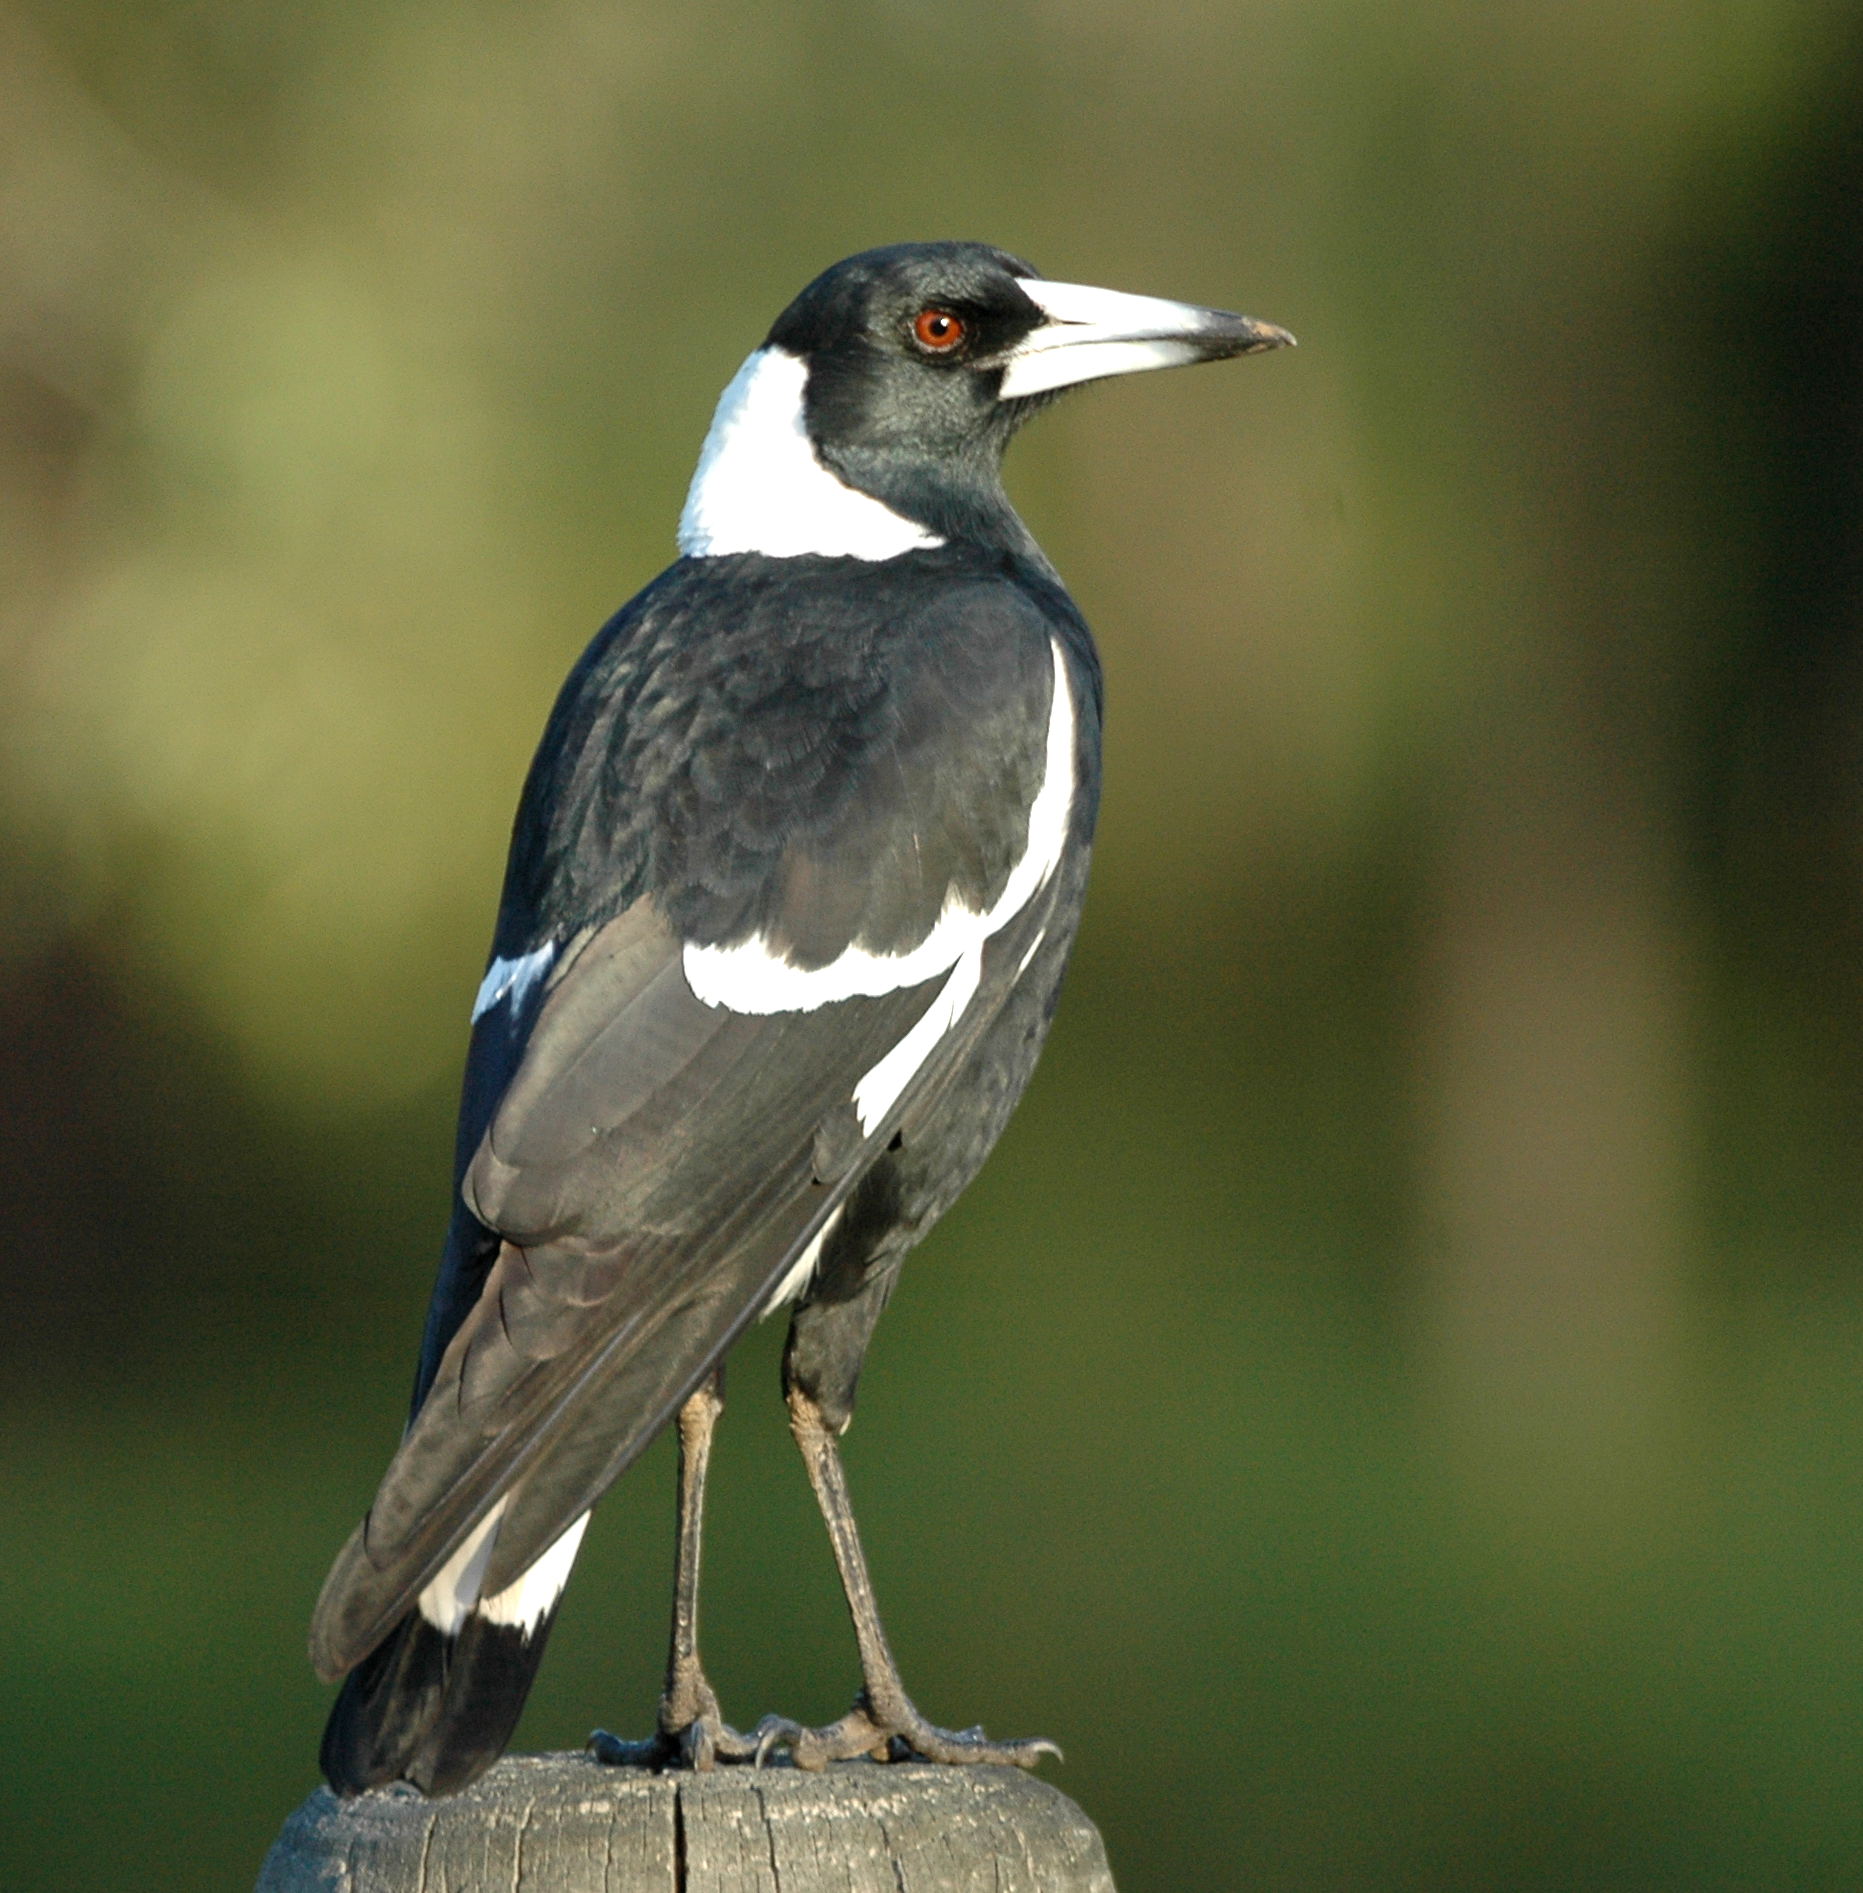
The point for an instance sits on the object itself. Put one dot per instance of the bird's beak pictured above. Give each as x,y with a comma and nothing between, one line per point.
1089,333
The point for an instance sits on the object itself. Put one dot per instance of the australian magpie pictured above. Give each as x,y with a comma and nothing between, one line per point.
791,887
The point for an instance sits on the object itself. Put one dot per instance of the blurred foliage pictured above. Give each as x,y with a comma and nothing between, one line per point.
1391,1410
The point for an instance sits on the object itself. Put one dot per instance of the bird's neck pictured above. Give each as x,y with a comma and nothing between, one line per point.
765,484
957,501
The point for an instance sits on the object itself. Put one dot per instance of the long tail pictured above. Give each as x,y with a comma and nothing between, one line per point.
436,1702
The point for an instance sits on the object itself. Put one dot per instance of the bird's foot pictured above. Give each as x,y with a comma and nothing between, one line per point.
897,1734
700,1746
692,1734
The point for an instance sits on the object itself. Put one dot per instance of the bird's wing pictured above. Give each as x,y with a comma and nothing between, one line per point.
655,1158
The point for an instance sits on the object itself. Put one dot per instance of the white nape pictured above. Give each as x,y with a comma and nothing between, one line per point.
453,1595
760,488
801,1272
512,979
1091,333
749,977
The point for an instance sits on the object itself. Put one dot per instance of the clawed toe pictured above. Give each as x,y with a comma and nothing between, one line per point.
775,1732
969,1746
615,1751
905,1736
700,1746
902,1736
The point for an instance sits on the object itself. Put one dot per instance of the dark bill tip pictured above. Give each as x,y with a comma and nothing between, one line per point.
1242,335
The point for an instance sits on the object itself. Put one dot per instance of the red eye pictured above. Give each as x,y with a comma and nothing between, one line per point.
938,330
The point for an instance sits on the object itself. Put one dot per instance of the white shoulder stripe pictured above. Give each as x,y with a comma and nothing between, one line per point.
512,979
749,978
760,488
879,1090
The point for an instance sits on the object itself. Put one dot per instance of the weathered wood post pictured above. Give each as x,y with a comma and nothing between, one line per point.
568,1824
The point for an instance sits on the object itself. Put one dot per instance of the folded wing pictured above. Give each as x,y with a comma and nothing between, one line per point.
642,1166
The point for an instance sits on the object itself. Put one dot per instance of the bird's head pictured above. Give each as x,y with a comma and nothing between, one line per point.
905,370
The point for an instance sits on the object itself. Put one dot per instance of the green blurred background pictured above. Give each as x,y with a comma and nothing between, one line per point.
1391,1410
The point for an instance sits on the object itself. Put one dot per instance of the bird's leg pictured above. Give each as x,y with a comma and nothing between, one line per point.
691,1728
688,1697
883,1722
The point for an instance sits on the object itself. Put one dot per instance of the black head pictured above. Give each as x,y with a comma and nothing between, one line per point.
924,358
911,367
904,347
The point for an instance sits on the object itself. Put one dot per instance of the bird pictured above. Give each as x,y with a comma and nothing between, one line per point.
791,887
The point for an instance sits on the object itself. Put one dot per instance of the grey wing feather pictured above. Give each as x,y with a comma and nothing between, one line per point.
651,1172
643,1170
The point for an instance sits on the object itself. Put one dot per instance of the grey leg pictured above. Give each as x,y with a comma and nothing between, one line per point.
691,1728
883,1722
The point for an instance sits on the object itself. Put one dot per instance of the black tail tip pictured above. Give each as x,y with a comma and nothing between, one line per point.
430,1709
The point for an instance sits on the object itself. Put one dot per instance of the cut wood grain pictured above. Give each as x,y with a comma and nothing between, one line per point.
567,1824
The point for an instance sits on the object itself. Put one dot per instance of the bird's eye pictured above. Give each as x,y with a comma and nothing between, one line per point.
937,330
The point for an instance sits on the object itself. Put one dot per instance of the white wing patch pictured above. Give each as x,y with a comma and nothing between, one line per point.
760,488
749,978
876,1093
512,979
453,1595
448,1600
525,1602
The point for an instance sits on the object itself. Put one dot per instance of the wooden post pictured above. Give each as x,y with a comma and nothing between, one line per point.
569,1824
